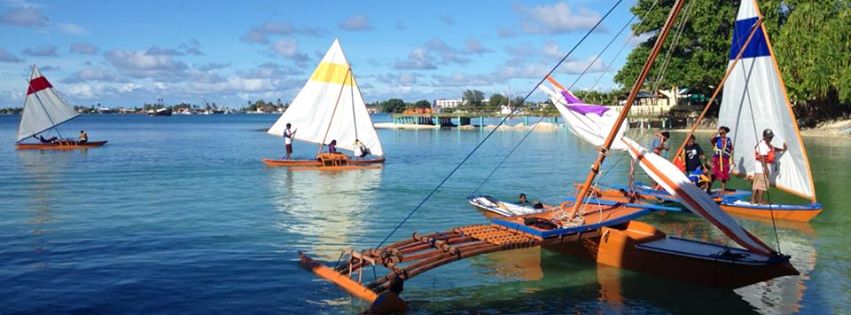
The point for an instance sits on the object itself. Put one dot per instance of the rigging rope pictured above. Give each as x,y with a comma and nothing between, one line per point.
513,110
625,43
664,67
535,125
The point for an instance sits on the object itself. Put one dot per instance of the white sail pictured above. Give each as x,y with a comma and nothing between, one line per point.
43,108
316,110
589,122
755,99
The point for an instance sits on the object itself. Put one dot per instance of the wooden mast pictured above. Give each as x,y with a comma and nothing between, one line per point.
334,112
636,87
719,87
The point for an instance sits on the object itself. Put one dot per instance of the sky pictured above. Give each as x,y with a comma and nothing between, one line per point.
127,53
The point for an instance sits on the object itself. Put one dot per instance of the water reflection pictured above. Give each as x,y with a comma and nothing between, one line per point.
325,209
44,169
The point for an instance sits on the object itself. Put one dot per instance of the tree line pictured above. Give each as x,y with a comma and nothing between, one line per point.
811,41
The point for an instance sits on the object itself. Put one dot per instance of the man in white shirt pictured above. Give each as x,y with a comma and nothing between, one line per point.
288,140
764,159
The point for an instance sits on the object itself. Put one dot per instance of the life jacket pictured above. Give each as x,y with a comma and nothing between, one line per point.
769,158
722,146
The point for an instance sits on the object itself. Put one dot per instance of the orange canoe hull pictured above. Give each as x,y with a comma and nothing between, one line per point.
59,146
621,247
804,214
316,163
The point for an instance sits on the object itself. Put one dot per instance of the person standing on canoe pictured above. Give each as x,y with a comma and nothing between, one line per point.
722,157
84,137
288,141
660,144
764,157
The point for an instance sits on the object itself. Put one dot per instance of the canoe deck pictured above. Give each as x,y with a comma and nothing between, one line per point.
326,161
64,145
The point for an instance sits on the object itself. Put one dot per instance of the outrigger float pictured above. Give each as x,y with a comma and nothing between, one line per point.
604,232
330,107
45,110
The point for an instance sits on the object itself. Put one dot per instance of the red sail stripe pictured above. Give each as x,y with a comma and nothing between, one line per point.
38,84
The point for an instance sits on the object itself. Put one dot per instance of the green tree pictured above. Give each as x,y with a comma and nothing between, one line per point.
422,104
393,105
497,100
473,98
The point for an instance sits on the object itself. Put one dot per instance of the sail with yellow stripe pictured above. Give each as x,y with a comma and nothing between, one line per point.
330,107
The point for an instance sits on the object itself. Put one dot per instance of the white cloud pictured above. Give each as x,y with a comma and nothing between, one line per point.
24,16
72,29
83,49
260,34
5,56
42,51
552,51
94,73
142,64
418,59
356,23
288,48
558,18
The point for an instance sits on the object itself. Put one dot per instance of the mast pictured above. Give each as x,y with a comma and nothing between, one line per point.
719,87
636,87
334,112
354,114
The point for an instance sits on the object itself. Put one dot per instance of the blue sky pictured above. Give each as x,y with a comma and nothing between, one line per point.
125,53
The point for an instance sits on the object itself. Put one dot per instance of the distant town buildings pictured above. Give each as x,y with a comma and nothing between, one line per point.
445,103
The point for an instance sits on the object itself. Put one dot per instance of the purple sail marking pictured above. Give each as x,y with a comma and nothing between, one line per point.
570,98
584,109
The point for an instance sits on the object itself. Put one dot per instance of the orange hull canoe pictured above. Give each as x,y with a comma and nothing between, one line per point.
59,145
641,247
802,213
318,164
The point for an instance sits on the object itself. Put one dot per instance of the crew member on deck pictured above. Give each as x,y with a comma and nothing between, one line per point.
332,147
288,141
46,140
84,137
361,151
389,302
764,157
722,158
695,161
660,144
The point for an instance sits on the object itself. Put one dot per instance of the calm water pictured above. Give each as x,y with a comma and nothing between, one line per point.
177,214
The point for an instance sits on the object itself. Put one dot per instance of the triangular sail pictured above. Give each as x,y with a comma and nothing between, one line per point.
330,102
589,123
755,99
43,108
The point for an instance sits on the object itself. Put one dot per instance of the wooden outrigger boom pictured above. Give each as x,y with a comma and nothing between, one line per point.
421,253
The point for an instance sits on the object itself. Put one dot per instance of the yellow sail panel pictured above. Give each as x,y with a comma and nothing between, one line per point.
332,73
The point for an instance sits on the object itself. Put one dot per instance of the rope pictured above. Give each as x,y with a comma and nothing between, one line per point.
570,87
625,43
485,139
671,49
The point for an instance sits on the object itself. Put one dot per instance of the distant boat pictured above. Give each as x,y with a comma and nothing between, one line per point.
755,99
330,107
160,112
45,110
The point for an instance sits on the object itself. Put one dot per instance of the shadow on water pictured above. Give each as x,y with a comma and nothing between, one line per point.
324,209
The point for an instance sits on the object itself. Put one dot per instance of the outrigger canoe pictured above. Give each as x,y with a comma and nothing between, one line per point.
638,246
327,161
59,145
45,110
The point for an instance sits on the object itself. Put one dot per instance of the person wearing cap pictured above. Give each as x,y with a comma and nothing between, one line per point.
764,157
722,158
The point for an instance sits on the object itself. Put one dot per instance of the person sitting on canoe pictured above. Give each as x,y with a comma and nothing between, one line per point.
361,151
722,158
46,140
84,137
288,141
389,302
332,147
695,160
764,157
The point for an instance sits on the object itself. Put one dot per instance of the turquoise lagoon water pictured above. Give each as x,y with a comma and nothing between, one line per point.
178,215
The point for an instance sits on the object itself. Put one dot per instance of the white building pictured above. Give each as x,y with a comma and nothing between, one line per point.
444,103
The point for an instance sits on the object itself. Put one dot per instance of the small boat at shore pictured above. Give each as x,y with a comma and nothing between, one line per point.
45,110
330,108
